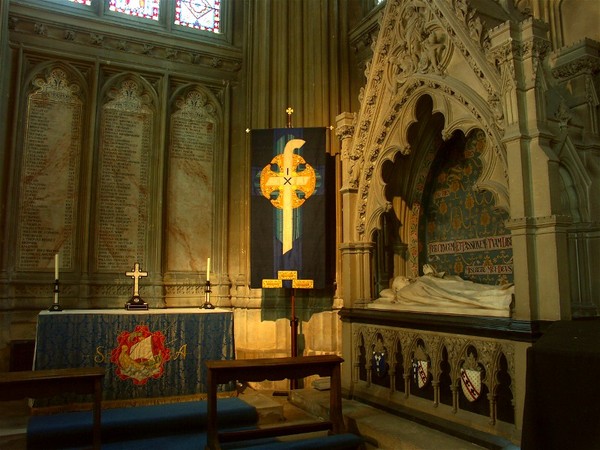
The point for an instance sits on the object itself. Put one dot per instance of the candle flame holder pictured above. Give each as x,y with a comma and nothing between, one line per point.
207,291
55,305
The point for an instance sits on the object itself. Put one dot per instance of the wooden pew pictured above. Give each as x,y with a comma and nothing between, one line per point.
223,371
46,383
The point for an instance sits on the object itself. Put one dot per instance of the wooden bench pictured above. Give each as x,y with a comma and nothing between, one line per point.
47,383
223,371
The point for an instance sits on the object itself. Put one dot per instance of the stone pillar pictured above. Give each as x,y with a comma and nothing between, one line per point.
577,69
354,285
4,88
356,255
538,231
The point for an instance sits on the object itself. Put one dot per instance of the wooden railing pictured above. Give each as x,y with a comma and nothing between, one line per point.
47,383
223,371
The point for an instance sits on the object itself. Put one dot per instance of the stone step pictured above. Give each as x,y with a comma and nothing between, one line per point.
269,410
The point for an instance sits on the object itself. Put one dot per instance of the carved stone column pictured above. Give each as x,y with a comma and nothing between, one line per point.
577,69
356,264
538,231
4,78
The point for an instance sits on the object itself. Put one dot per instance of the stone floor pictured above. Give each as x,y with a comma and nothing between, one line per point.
379,429
13,425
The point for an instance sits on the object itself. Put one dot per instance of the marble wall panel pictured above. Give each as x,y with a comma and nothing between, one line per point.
48,184
123,202
193,136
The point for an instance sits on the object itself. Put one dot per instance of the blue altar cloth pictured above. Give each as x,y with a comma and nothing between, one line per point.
147,354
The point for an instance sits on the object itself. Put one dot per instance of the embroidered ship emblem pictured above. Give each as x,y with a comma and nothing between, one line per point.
140,355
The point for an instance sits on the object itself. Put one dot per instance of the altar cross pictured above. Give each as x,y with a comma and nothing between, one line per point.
136,275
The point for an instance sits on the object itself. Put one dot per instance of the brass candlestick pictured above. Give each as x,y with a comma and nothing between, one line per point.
55,305
207,291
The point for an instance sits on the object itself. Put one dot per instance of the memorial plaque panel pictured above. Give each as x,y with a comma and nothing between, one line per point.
190,185
123,179
50,172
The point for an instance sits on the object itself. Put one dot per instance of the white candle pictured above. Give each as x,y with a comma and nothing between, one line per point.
56,266
208,269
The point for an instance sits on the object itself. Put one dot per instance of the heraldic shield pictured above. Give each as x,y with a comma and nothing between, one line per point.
470,378
421,366
379,359
420,372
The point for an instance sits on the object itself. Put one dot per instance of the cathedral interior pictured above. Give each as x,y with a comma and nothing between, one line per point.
462,149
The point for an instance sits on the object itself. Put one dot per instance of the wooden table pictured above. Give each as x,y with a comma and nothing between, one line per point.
46,383
223,371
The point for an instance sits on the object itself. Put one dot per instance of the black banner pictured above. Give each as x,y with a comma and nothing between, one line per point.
289,206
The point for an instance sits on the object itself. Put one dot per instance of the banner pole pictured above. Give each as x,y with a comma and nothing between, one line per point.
294,335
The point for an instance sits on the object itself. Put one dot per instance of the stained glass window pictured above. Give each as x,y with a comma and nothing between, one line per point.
147,9
197,14
200,14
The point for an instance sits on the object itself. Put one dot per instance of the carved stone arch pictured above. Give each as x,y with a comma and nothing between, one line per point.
57,78
503,398
389,340
357,336
374,337
48,68
495,368
362,336
464,125
508,350
407,340
369,336
149,98
359,340
463,110
395,341
198,96
412,348
436,347
575,181
453,347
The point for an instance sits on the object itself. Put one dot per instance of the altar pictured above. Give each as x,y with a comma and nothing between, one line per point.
149,356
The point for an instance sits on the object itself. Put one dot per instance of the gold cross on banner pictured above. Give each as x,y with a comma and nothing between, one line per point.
293,186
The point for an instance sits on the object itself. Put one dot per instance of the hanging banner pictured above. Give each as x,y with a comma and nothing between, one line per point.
289,207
